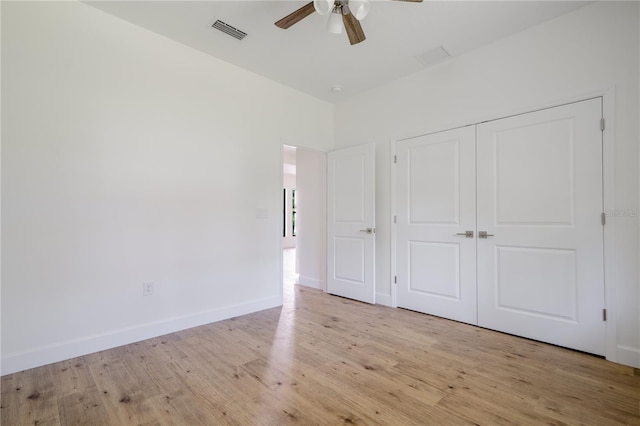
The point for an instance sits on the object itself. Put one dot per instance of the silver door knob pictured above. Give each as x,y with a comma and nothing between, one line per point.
483,234
466,234
369,230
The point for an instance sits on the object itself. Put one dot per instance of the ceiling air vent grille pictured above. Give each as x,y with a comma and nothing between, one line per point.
228,29
433,56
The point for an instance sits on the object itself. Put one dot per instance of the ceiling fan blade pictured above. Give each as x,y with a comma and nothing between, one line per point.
353,27
296,16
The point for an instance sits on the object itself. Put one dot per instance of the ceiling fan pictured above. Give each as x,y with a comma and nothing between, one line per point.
347,13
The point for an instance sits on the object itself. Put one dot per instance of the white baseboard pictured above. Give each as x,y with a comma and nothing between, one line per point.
629,356
311,282
73,348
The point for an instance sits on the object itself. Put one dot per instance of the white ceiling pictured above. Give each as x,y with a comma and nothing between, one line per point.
311,60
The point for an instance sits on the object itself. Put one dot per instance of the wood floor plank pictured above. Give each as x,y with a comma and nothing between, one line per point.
33,395
193,400
85,407
334,400
388,398
326,360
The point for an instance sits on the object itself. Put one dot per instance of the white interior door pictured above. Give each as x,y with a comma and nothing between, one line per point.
436,206
351,223
540,273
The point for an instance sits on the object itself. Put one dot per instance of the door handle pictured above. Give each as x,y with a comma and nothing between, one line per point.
466,234
483,234
369,230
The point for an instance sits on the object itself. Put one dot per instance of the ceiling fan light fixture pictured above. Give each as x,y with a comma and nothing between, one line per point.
323,6
334,26
359,8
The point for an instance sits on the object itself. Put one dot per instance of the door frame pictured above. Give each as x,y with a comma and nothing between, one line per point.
612,351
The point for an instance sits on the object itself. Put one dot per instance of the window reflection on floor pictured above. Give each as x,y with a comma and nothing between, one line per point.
289,269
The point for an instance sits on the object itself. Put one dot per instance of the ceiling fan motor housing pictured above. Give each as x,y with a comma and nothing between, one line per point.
352,12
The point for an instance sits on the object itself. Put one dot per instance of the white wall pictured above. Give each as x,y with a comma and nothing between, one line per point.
591,49
311,217
119,148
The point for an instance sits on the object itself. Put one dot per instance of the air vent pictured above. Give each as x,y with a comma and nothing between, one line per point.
228,29
433,56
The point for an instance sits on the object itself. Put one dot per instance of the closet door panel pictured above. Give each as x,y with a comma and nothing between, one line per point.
540,272
436,206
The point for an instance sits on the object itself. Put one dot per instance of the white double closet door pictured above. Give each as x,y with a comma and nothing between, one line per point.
499,225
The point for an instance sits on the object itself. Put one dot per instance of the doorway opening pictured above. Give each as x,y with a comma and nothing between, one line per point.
289,231
304,170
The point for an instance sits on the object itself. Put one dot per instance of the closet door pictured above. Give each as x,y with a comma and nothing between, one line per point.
540,269
436,207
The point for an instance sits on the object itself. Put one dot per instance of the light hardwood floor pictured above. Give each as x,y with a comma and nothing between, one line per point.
322,359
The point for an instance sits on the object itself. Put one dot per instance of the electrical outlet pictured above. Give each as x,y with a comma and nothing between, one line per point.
147,288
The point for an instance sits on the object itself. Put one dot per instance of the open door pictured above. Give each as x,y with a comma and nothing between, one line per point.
351,223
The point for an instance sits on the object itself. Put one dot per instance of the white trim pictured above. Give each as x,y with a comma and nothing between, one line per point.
15,362
608,203
613,352
280,237
1,207
311,282
392,234
628,356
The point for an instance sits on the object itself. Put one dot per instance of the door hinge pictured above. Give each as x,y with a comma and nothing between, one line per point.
602,124
395,159
604,314
603,218
395,279
395,219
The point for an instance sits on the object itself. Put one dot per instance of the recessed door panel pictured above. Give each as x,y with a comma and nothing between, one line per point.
349,259
536,281
525,193
349,174
434,174
434,269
